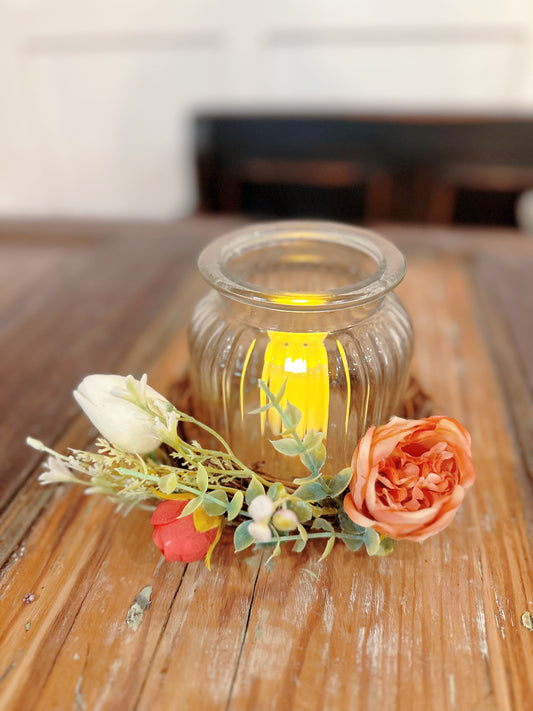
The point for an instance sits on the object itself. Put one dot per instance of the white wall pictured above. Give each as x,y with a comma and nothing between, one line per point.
96,96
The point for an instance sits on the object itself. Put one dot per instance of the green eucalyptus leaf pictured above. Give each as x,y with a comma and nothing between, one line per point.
329,511
218,507
235,505
314,459
255,488
308,479
353,544
167,484
202,480
292,416
348,526
386,547
299,546
274,398
313,439
276,491
320,524
338,483
287,446
302,532
241,538
192,505
311,492
275,553
372,541
328,548
302,509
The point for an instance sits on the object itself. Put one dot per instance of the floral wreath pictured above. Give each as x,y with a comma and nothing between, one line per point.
406,480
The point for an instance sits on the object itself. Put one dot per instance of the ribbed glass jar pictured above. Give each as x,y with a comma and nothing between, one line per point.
309,303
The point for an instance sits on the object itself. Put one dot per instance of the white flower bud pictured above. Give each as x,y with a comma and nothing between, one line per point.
261,508
105,401
260,531
285,520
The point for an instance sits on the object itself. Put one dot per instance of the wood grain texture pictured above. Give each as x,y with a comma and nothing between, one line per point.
434,626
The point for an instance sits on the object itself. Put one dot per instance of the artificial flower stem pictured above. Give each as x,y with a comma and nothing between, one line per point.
188,418
189,490
325,534
131,472
228,455
276,405
213,433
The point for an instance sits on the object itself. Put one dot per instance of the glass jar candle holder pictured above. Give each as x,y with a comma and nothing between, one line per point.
309,304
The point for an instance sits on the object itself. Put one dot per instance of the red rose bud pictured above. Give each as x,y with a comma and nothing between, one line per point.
186,539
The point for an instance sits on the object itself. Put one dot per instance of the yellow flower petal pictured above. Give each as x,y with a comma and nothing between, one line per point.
211,548
204,522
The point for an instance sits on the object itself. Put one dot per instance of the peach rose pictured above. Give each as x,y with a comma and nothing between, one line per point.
410,476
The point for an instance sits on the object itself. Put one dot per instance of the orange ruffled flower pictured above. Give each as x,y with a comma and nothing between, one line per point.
410,476
186,539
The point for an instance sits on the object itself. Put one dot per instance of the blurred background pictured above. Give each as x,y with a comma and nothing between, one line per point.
361,111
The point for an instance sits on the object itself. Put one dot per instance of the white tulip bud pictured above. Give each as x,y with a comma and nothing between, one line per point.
105,401
261,508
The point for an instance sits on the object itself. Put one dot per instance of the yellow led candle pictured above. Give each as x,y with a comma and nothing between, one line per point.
300,360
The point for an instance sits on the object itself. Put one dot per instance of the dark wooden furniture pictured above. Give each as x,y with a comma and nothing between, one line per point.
438,625
435,169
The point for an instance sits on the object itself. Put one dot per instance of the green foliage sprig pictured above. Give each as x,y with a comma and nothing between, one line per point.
215,481
316,502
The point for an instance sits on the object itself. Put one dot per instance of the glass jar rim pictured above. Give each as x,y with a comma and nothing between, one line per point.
216,257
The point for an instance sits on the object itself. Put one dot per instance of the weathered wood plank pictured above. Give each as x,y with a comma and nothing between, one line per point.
162,351
88,308
436,625
505,315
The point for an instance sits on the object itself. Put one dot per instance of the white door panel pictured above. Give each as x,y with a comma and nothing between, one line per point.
114,127
97,96
417,76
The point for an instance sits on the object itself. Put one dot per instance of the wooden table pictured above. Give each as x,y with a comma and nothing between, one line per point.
434,626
